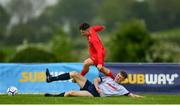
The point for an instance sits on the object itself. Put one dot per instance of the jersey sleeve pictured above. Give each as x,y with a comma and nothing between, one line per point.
98,28
123,91
105,78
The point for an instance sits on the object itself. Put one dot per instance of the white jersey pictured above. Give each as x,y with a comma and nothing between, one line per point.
111,88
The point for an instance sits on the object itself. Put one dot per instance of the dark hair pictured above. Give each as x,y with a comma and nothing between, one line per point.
84,26
124,74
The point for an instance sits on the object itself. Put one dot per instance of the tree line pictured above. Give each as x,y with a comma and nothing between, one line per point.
57,26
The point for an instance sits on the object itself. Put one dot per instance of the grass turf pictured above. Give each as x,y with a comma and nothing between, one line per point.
40,99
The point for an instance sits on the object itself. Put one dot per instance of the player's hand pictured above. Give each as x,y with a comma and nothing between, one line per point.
99,66
98,89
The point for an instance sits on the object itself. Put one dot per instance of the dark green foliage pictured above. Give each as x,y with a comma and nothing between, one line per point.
158,15
2,56
130,43
62,47
33,54
77,11
4,18
166,48
164,15
115,11
28,31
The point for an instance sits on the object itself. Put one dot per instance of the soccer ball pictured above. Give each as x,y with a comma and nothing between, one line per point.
12,91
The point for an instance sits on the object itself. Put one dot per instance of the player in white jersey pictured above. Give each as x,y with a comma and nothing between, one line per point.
104,86
109,87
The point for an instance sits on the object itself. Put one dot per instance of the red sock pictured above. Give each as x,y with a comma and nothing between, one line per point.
110,74
83,72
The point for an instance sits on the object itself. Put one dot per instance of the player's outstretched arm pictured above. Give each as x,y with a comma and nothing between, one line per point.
135,95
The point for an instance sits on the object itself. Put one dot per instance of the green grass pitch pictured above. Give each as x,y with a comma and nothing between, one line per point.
40,99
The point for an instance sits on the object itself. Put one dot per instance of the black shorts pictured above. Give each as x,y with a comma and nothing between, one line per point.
90,88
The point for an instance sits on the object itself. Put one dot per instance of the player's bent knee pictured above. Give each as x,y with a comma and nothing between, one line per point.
70,93
74,73
103,69
86,64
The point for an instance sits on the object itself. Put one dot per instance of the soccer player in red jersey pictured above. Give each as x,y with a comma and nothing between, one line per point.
96,49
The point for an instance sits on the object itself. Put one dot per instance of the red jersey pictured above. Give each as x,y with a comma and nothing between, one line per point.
96,48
